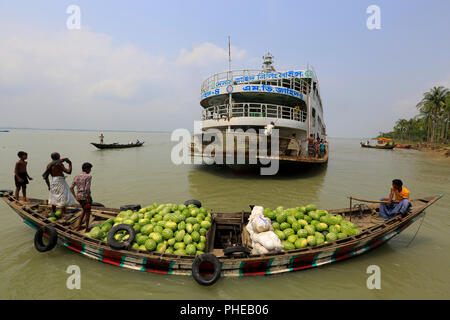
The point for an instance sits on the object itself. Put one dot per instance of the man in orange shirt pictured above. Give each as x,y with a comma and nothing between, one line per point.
399,205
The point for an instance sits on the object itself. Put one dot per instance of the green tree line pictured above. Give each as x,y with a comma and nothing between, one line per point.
431,125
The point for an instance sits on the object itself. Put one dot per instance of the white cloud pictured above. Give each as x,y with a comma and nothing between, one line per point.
83,79
206,54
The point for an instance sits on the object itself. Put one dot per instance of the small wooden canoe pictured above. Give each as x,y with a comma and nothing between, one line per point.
227,229
385,146
116,145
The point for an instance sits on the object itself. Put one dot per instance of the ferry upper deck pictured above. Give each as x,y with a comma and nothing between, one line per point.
240,98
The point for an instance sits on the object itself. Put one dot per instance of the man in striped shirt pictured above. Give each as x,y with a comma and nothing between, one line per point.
82,182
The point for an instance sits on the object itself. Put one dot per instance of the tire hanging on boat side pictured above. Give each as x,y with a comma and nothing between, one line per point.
119,245
206,257
53,238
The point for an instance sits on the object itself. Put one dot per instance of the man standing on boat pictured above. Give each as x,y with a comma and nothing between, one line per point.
60,195
401,203
311,146
101,138
293,148
82,182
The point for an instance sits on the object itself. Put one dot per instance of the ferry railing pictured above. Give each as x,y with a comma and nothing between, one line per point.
253,110
275,78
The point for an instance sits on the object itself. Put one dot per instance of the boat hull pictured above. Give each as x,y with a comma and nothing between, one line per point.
116,146
387,147
231,267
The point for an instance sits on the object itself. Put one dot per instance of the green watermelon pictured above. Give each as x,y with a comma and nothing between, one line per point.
321,226
179,245
310,229
190,249
311,240
331,236
281,217
288,232
167,233
150,244
156,236
280,234
292,238
291,219
300,243
284,226
288,245
302,233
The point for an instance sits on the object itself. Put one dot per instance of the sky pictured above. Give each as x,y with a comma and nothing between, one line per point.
139,65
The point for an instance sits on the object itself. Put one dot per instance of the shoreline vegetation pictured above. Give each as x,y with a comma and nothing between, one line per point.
429,131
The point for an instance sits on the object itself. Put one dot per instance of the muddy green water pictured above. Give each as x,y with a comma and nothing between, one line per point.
146,175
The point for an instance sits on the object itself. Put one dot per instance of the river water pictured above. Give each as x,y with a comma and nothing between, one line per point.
146,175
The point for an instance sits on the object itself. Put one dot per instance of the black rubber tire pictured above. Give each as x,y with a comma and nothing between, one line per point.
125,245
98,204
53,238
206,257
132,207
5,192
231,250
197,203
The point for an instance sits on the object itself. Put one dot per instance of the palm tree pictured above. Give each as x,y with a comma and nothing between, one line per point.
431,106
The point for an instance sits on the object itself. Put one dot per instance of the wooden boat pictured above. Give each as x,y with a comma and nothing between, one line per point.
403,146
116,145
376,146
227,230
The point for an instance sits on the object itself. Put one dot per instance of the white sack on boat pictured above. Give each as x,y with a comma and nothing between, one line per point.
268,240
258,249
261,224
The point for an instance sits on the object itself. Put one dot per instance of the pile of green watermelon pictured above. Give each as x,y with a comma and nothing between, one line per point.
164,228
306,226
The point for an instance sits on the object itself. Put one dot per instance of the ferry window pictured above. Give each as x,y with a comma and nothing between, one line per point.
314,113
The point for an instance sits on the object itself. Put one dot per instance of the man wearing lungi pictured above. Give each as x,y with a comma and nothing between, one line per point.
401,203
60,195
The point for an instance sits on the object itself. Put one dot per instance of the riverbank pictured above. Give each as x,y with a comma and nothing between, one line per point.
438,150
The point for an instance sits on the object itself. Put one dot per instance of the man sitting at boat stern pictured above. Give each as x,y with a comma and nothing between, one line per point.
399,205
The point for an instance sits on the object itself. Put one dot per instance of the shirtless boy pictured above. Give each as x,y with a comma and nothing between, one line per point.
21,176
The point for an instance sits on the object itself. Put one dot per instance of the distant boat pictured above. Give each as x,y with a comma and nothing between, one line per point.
116,145
4,130
385,146
403,146
382,143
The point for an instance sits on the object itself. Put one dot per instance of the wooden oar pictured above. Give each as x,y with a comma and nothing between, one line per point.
370,201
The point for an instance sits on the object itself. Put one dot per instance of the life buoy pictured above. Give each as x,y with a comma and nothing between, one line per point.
197,203
52,235
118,245
196,266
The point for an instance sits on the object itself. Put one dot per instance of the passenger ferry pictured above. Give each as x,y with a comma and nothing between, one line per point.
243,103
